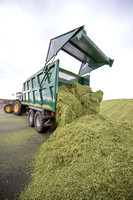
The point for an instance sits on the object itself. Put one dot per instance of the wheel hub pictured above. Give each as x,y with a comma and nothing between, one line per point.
8,109
16,108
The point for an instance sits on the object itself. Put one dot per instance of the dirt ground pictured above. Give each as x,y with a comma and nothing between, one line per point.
18,145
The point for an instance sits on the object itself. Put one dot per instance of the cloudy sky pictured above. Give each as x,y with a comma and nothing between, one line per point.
26,27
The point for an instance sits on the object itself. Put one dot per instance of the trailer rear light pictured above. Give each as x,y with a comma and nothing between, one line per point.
53,114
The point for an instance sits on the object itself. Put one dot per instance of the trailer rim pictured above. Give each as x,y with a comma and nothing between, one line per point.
39,122
31,115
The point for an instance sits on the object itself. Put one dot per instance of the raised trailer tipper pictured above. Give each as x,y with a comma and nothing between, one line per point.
39,93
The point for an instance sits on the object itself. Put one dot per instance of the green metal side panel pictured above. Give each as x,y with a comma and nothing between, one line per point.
41,89
57,43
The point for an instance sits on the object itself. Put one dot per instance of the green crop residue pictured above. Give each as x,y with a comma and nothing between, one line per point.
16,137
87,157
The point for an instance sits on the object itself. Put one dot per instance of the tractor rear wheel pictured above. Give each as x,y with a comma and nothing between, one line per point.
39,122
31,115
17,109
8,108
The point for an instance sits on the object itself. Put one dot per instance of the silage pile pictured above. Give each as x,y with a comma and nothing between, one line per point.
88,158
75,101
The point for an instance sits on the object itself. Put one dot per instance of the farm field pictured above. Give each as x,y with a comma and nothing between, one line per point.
118,109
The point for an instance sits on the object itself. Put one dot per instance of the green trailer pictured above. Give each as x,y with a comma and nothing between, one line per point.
39,93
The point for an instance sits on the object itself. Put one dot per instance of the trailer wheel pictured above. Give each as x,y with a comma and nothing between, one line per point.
31,115
8,108
17,109
39,122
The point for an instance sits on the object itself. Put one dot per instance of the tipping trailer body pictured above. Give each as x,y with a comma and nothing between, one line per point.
39,93
40,90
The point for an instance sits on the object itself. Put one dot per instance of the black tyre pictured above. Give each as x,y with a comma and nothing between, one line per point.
17,109
8,108
39,122
31,115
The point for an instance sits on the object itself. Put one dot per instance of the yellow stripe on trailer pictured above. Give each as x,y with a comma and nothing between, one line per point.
30,104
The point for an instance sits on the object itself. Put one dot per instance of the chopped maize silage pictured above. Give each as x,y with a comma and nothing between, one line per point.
68,107
75,101
87,157
90,158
